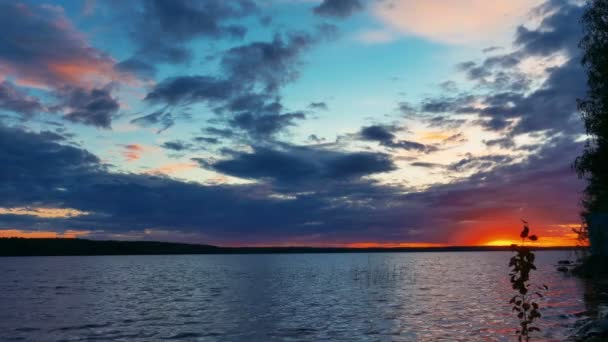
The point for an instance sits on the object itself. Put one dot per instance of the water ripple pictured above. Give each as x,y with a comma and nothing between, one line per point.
336,297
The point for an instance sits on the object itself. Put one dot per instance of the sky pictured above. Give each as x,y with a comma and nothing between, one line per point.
291,122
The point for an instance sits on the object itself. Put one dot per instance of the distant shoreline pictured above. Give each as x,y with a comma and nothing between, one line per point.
82,247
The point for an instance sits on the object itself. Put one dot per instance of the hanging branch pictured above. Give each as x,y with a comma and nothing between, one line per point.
523,302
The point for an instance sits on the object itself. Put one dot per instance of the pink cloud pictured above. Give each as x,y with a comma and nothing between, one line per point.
133,152
465,21
45,50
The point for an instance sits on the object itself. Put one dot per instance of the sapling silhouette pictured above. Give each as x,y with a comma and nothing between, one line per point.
523,302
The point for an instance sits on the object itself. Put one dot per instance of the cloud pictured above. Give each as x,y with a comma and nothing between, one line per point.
329,186
378,133
164,119
338,8
385,136
94,107
35,165
318,105
298,164
509,103
132,152
290,184
468,21
223,133
43,212
176,145
14,100
265,125
137,67
207,140
267,64
479,163
190,89
44,50
246,92
426,165
559,30
161,29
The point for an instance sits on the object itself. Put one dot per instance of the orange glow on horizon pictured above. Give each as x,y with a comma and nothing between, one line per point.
502,243
394,244
39,234
499,234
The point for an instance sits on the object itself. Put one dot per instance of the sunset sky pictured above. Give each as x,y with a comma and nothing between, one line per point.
291,122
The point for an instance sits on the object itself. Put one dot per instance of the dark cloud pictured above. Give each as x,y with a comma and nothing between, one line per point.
509,103
94,107
382,134
259,116
315,139
406,108
479,163
42,47
190,89
413,146
490,49
267,64
185,19
318,106
426,165
14,100
551,107
224,133
246,93
385,136
136,66
34,166
296,164
338,8
161,29
494,123
447,104
207,140
455,138
449,86
497,73
265,125
44,172
560,30
176,145
445,121
263,65
506,142
164,119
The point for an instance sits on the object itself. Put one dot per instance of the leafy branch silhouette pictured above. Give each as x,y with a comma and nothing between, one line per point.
523,302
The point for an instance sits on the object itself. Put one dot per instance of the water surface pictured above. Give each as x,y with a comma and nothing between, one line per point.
455,296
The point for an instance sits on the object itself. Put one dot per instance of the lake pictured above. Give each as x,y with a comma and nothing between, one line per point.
435,296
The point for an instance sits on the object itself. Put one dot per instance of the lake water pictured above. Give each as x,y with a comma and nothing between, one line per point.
293,297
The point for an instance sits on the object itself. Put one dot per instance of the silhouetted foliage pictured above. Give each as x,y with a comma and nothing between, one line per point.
593,163
523,302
